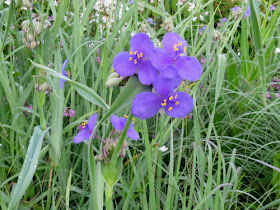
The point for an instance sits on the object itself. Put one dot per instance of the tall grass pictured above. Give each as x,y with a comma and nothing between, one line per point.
224,156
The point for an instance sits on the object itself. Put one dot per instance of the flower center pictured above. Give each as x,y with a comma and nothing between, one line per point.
83,125
133,120
68,73
171,101
135,56
180,50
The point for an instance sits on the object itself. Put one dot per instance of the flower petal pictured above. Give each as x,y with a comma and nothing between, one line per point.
118,122
145,105
147,73
189,68
92,121
167,81
123,66
161,58
62,83
142,44
182,104
133,134
81,136
170,39
64,65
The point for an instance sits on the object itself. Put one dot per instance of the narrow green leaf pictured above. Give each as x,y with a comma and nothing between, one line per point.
29,166
62,8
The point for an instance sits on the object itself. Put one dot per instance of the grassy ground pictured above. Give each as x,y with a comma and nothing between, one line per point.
225,155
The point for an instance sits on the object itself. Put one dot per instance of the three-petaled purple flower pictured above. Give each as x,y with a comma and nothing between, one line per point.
175,104
86,129
272,7
65,73
137,60
119,123
174,53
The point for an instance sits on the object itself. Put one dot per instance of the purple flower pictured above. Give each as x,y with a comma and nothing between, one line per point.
272,7
119,123
175,53
223,20
150,20
137,60
66,74
175,104
235,9
68,112
248,12
86,129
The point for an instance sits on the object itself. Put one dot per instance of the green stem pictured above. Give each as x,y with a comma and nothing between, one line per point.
108,195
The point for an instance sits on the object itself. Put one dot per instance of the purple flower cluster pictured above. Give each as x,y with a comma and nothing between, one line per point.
164,68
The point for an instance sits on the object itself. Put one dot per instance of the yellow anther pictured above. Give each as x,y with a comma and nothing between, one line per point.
181,54
130,58
133,121
176,49
164,100
138,56
126,116
163,104
135,52
141,55
170,108
68,73
185,49
177,103
179,44
131,53
175,46
170,98
135,61
176,96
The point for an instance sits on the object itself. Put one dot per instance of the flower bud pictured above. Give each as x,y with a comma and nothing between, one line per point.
45,86
26,3
30,37
113,82
168,24
47,23
37,28
33,44
113,75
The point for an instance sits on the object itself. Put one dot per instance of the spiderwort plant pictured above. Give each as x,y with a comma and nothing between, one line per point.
137,60
174,53
64,73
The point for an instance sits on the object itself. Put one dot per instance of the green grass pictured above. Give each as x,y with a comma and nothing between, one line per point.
225,157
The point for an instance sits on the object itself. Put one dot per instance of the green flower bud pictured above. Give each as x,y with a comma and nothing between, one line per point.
114,82
26,3
37,27
33,44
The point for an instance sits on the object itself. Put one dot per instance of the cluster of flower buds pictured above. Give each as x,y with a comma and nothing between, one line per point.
114,79
27,3
168,24
43,87
32,31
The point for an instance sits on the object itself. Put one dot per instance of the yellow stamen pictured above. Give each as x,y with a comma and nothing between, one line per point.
135,61
138,56
163,104
177,103
126,116
135,52
131,53
130,58
164,100
170,108
185,49
176,96
141,55
133,121
176,49
180,44
181,54
170,98
175,46
68,73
